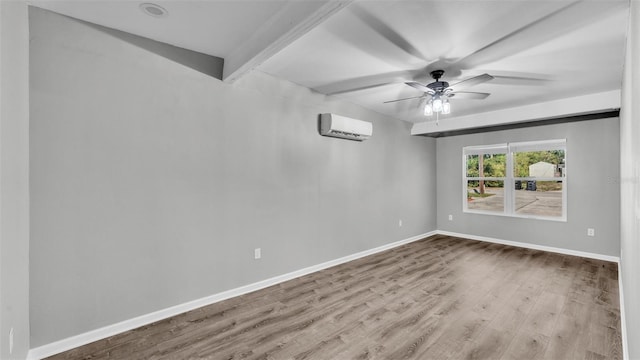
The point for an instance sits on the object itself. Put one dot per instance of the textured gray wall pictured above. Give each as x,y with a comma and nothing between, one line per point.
593,165
630,184
151,183
14,179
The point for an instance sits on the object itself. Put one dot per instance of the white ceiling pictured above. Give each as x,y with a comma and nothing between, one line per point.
536,50
209,27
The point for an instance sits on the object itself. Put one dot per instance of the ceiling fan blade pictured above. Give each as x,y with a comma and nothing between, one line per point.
464,84
518,80
419,86
562,21
336,89
466,95
366,82
386,32
403,99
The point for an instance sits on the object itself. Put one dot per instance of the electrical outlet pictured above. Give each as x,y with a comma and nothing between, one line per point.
257,253
450,217
591,232
11,341
400,223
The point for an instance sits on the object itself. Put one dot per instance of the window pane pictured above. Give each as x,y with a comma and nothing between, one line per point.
472,166
486,165
485,195
546,164
539,198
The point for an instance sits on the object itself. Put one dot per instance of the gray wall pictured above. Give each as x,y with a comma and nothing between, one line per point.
593,164
630,184
152,183
14,179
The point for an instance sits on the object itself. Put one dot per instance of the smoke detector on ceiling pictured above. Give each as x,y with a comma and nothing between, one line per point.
154,10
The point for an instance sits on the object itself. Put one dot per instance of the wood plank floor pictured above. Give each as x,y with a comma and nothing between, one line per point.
437,298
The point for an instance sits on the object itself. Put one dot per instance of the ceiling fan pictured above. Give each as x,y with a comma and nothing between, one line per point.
438,93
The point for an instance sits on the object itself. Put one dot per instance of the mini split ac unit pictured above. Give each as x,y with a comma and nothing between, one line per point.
346,128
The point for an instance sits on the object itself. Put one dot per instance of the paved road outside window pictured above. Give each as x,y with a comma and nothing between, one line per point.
539,203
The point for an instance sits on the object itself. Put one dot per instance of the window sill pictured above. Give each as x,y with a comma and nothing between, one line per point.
517,216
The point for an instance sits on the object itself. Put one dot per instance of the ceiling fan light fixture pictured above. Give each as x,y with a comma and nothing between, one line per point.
437,104
428,111
446,107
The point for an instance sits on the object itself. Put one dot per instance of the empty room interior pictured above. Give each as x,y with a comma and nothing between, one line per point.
287,179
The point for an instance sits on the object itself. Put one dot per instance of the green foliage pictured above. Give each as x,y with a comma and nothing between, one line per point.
494,165
548,186
524,159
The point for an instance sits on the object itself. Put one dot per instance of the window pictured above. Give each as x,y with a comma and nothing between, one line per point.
526,179
486,173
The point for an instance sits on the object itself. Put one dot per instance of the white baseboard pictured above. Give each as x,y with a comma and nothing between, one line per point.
114,329
533,246
623,321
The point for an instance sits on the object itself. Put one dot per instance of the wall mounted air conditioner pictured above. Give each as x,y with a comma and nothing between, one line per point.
345,128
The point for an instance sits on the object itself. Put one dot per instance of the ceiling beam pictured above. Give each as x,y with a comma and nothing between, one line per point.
585,104
295,19
604,114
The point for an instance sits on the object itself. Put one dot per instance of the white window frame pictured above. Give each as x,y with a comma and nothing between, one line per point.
509,149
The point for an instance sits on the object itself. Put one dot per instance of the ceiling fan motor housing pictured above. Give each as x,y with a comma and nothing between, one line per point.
437,74
438,86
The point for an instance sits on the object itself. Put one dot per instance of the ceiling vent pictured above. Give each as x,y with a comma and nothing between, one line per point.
154,10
